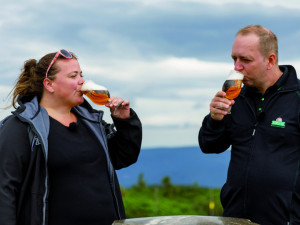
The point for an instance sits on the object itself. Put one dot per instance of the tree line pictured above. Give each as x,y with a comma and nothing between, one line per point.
165,199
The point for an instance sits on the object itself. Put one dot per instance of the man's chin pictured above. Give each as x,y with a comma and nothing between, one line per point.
247,83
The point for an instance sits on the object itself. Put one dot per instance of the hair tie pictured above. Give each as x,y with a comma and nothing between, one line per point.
37,61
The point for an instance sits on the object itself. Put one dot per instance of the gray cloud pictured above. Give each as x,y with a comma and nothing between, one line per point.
167,57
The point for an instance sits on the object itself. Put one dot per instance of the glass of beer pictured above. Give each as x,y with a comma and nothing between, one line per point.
96,93
233,85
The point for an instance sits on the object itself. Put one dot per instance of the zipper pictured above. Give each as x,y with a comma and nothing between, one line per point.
110,170
102,135
247,167
36,141
250,153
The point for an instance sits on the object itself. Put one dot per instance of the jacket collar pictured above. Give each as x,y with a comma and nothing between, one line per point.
288,81
29,108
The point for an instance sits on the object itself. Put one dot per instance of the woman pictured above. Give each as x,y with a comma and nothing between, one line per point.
57,154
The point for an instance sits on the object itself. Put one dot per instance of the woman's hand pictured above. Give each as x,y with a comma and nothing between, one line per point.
119,107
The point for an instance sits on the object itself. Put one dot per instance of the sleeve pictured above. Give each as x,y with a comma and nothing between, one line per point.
124,147
14,158
212,136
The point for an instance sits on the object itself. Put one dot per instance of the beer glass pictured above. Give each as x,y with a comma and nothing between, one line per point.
96,93
232,85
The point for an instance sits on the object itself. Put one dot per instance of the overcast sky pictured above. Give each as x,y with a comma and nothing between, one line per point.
167,57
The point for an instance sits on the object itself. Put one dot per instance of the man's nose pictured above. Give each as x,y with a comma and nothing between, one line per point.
238,66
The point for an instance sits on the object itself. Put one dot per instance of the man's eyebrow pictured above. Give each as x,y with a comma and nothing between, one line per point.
239,56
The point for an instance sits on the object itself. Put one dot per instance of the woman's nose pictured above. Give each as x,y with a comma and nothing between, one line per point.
81,80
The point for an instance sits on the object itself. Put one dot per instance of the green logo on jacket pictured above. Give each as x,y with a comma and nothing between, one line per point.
278,123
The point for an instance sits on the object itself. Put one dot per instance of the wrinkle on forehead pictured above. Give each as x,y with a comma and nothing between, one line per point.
245,45
68,66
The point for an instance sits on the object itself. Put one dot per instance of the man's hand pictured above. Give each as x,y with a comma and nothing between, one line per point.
220,106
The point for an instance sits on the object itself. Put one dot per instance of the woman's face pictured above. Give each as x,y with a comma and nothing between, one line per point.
67,83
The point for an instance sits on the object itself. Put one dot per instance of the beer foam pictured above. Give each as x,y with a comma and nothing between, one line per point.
90,85
235,75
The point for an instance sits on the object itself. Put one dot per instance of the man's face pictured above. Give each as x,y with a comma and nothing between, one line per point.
249,61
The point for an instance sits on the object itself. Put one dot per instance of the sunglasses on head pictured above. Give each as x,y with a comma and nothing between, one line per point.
61,52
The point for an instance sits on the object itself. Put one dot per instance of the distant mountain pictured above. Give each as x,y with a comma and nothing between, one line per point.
184,165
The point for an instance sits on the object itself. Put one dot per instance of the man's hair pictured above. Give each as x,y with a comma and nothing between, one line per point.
267,39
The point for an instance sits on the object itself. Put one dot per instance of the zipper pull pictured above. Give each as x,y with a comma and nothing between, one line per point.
254,130
36,140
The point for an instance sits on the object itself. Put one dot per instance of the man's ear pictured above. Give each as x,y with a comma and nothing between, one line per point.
48,84
271,60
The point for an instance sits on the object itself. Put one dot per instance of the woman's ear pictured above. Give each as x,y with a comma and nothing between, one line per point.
48,84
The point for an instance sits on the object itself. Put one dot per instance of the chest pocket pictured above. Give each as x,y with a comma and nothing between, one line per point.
281,125
278,121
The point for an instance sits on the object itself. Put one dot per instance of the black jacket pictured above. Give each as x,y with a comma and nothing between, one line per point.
24,184
263,181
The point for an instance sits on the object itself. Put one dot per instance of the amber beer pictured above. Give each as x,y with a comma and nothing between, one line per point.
96,93
233,84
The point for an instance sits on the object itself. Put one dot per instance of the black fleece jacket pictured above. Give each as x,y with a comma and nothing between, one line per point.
263,181
24,182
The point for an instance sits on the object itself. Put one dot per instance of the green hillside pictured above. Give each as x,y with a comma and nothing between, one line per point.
167,199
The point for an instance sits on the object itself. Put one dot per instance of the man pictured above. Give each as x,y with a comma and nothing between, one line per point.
263,130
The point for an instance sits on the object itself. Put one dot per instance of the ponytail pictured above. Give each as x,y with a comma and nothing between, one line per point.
29,82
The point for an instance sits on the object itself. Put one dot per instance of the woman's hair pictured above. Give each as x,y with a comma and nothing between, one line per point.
267,39
30,81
